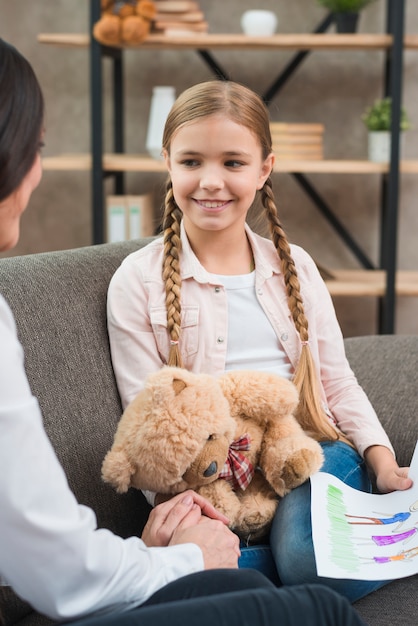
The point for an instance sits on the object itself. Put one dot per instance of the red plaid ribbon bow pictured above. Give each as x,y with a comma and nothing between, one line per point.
237,469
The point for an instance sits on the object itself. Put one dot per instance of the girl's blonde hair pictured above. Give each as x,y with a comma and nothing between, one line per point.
243,106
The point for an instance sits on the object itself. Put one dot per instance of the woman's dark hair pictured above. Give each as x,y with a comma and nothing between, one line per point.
21,118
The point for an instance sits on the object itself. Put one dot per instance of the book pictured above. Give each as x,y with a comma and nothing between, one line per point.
116,223
197,27
192,16
176,6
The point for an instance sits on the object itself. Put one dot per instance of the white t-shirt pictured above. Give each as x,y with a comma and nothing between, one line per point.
252,342
51,551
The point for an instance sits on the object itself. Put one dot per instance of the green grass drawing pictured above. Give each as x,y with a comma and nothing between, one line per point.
340,532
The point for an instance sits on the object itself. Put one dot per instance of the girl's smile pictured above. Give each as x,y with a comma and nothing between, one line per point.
212,205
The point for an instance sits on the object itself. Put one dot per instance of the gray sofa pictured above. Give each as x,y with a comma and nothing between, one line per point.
59,302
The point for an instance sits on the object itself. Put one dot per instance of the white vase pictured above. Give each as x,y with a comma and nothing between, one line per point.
161,102
258,22
379,145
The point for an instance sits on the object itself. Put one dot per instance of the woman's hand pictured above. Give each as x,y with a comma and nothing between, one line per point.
219,545
184,509
189,518
389,476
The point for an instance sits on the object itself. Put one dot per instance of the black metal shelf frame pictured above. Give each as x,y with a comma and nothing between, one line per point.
393,81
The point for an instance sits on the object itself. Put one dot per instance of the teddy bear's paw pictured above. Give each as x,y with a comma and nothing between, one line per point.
254,525
300,466
108,30
134,29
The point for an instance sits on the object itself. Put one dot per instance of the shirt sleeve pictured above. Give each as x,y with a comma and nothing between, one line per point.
51,551
133,342
344,396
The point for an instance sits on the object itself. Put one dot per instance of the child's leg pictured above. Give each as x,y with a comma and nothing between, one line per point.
291,534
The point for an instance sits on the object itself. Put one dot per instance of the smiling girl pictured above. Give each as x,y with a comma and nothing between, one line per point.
211,295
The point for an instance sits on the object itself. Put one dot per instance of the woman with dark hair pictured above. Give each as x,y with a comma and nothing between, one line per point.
21,130
51,551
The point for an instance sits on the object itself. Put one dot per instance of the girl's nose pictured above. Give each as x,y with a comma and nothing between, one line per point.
211,180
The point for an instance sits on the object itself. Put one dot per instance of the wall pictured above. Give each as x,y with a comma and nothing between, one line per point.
329,87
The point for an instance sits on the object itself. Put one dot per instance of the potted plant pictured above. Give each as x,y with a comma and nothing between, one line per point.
346,13
378,119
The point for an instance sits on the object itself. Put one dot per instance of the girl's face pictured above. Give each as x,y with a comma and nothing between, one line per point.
12,207
216,167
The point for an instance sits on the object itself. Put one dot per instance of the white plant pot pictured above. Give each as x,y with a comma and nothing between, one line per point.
379,144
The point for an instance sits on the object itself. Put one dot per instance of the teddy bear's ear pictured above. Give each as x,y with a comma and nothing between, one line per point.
117,470
178,385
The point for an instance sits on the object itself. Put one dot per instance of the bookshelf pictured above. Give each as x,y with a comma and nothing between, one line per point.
383,282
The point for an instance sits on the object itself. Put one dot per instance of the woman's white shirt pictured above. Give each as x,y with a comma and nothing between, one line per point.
51,551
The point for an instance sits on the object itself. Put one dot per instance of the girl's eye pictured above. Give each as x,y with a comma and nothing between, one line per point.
190,162
234,163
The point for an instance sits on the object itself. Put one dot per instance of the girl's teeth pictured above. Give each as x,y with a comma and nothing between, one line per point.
212,205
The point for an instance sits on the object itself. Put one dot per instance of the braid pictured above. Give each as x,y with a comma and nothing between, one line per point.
310,412
171,273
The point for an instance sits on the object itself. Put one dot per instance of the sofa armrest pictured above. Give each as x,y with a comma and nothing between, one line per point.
387,368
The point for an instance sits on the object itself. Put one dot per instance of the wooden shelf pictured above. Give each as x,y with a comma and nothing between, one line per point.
359,283
144,163
210,41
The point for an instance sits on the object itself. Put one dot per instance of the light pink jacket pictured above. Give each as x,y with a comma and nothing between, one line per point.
140,342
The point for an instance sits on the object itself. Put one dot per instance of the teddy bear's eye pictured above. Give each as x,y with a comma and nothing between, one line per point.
211,437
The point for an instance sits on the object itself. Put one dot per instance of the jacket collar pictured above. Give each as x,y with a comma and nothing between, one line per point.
267,261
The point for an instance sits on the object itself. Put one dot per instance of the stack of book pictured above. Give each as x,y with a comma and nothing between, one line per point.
297,141
179,17
129,217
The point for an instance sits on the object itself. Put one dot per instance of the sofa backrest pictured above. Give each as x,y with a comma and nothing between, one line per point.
59,303
387,368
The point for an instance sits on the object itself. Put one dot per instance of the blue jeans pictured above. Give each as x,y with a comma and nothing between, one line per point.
291,547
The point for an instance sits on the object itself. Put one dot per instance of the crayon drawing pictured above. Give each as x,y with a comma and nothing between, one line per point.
354,539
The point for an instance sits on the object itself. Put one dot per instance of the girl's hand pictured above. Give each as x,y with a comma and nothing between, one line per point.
389,476
183,510
394,479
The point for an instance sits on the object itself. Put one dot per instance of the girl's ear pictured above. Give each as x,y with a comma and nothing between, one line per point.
266,170
166,158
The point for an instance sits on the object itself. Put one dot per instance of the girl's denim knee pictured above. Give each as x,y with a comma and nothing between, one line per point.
259,557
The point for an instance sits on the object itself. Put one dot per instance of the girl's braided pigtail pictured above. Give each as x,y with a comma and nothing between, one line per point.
171,274
311,414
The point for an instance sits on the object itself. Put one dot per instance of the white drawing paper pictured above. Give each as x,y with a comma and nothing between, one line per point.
364,536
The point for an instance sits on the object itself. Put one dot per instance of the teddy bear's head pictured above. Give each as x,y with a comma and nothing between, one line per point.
180,417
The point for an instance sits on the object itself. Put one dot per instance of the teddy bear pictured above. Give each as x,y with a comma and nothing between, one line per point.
234,439
124,21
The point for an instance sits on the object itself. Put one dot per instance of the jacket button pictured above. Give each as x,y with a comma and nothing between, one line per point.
217,289
220,340
284,337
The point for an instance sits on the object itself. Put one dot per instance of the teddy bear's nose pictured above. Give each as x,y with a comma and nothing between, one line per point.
211,470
